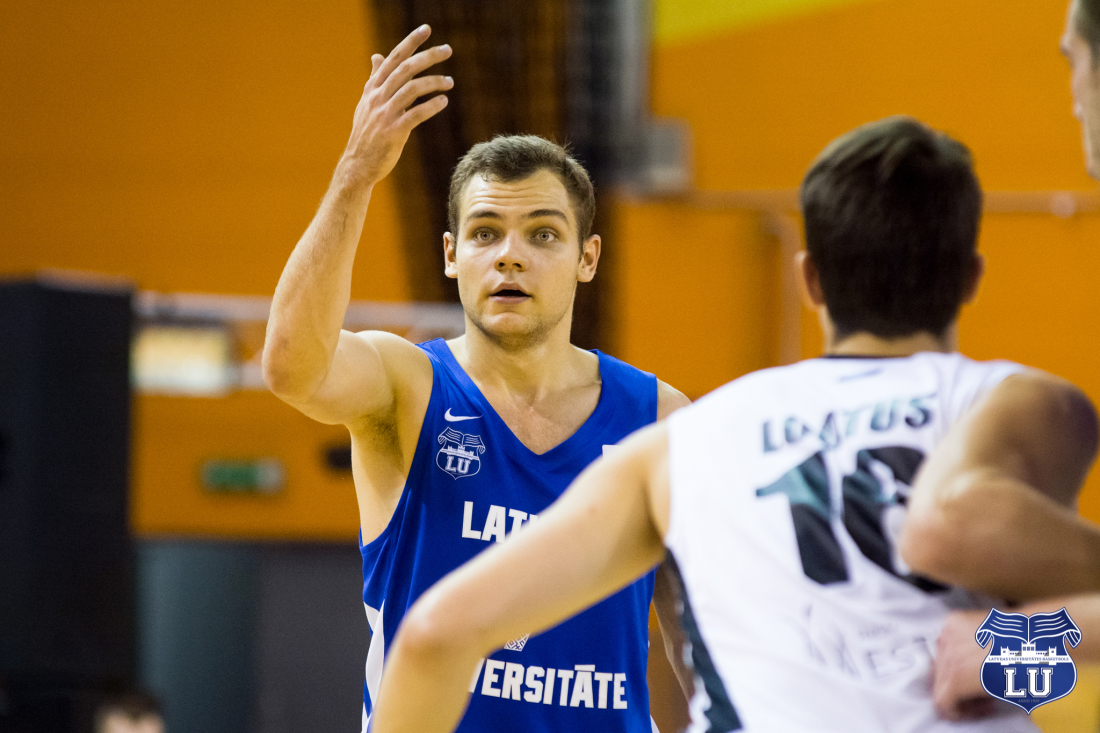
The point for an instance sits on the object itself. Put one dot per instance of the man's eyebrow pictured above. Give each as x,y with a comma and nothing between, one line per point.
539,213
483,214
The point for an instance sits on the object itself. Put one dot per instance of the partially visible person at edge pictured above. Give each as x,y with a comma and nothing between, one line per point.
457,445
958,690
129,712
823,517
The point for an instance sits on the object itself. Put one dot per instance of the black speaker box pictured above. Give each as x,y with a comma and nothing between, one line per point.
67,617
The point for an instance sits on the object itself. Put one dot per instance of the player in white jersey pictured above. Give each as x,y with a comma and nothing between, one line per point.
824,516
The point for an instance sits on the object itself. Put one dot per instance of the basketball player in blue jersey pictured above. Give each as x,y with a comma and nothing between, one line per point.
460,445
824,516
958,690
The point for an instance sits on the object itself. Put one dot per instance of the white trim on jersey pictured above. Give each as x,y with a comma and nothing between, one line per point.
376,657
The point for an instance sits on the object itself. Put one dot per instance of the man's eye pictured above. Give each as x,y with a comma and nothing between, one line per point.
483,235
545,236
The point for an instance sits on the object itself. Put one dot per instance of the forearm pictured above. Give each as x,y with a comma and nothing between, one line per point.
1085,612
312,296
998,535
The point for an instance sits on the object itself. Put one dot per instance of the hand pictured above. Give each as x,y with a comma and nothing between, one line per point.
957,690
385,118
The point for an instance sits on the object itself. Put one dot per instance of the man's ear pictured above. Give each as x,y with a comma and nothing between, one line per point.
975,280
590,257
809,281
450,255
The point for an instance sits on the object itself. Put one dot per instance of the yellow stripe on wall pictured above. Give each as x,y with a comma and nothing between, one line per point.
682,20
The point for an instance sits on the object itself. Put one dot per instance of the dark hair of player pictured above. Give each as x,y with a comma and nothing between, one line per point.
1086,21
133,705
891,212
510,158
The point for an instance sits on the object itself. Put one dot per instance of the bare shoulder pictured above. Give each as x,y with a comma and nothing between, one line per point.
1043,396
669,400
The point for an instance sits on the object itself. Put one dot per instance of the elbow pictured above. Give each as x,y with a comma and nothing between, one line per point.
279,374
942,536
426,634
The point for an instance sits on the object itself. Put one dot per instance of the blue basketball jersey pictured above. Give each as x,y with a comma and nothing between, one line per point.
472,482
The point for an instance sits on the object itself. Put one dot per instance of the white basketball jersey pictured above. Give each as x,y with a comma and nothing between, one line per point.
788,491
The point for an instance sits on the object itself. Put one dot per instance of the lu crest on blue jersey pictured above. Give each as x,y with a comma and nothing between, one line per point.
1016,670
460,454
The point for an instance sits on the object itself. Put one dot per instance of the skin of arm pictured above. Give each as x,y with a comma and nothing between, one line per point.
1002,484
308,361
602,534
666,590
956,684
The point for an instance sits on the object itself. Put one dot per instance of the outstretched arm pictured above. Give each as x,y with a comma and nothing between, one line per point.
994,507
332,375
602,534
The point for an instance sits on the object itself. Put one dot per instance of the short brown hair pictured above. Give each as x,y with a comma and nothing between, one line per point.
891,212
515,157
1086,21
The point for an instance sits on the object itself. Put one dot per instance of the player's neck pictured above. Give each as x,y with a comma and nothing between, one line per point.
867,344
536,368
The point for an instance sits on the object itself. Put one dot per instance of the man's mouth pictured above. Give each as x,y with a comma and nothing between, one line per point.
509,295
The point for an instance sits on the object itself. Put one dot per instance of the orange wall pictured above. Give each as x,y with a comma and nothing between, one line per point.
183,145
696,295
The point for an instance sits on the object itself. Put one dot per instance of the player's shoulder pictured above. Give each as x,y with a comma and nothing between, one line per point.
406,364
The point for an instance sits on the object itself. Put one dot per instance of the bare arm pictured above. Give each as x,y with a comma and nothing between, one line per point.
601,535
668,604
330,374
666,590
994,507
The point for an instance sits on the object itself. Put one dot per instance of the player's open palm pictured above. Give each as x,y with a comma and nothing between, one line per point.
386,114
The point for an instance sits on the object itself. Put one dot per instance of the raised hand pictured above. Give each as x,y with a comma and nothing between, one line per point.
386,115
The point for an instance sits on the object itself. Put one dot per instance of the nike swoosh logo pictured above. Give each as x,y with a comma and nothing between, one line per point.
458,418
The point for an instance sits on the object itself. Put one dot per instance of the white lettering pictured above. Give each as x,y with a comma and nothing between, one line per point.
494,524
1010,684
548,693
1032,679
533,681
491,667
564,675
582,688
513,680
463,465
603,678
518,518
477,673
467,520
619,703
531,519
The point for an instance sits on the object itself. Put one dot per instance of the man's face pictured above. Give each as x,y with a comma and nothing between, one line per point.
517,257
1086,90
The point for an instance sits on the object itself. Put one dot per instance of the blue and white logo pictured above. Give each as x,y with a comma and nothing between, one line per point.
460,455
1028,664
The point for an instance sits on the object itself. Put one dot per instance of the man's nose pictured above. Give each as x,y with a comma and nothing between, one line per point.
511,253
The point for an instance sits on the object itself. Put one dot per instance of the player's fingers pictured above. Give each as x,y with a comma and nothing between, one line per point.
404,50
413,66
375,61
424,111
418,88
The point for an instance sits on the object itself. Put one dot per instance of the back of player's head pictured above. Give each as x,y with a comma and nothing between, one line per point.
891,212
1086,21
510,158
